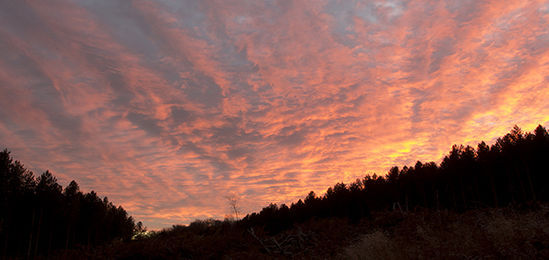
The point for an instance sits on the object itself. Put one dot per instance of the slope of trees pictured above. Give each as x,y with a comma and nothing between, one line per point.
38,217
513,170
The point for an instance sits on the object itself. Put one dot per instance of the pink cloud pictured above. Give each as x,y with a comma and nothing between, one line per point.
165,107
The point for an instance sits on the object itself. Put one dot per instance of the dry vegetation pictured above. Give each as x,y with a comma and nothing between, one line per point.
489,233
510,232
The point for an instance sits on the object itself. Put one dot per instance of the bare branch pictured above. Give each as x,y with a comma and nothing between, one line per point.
233,204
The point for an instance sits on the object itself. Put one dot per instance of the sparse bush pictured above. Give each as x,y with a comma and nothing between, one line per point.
487,233
376,245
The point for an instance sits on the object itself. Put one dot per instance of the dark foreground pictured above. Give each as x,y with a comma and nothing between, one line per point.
520,231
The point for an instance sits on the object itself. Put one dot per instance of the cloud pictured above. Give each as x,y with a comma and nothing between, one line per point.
167,106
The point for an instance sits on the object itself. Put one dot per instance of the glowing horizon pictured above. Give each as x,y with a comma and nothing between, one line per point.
167,106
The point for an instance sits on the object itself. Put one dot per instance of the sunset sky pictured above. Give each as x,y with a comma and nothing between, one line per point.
165,107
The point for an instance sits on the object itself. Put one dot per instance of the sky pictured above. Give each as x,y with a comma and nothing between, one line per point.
168,107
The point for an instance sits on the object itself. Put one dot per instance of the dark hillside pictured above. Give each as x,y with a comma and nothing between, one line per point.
494,233
489,202
511,171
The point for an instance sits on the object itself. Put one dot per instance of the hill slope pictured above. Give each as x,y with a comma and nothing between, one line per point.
491,201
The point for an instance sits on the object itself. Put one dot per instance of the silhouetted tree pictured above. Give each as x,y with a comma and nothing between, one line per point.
38,217
232,199
512,170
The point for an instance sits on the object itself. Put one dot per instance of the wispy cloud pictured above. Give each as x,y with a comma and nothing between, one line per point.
167,106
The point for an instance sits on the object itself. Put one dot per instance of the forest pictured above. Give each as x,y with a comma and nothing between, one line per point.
511,171
459,198
38,217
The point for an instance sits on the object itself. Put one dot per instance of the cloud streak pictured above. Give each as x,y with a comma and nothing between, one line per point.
167,106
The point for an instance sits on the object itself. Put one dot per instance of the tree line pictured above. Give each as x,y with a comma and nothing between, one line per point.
513,170
38,216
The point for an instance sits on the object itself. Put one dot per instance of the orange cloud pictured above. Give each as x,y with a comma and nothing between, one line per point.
165,107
